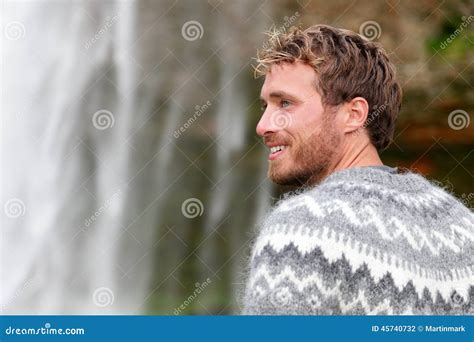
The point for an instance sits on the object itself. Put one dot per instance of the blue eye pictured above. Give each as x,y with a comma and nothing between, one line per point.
285,103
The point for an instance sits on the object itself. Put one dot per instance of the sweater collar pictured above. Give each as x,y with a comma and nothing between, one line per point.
384,175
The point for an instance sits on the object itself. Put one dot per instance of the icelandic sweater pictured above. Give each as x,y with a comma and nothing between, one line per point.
365,241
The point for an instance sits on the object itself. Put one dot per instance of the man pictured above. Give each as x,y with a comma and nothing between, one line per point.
359,237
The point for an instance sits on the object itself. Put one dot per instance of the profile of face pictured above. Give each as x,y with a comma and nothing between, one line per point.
304,139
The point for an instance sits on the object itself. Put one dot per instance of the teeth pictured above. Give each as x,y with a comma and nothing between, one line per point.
277,148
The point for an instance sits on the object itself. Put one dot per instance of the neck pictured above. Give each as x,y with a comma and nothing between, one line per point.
358,155
355,154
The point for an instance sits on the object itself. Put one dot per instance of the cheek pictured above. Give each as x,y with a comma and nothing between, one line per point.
305,130
307,120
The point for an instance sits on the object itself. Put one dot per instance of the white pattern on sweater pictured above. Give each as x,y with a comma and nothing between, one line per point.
366,240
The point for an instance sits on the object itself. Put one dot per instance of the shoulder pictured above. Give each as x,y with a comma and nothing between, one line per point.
353,194
348,199
409,236
399,220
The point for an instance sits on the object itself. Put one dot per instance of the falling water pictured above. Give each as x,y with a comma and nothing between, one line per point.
93,94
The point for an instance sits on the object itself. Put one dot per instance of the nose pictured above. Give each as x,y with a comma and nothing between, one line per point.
266,125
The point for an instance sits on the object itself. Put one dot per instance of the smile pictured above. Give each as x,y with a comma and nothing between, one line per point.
276,151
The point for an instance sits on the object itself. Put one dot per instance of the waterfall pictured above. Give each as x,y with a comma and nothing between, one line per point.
92,175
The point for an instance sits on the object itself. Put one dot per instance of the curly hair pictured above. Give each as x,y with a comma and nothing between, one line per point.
347,65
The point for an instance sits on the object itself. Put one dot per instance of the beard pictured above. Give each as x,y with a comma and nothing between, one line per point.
307,161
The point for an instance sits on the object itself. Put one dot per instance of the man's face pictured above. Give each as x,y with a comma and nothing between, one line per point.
304,139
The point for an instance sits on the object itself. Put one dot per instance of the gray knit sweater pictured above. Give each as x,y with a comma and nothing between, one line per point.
366,241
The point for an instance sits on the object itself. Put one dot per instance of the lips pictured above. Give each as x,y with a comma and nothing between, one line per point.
276,151
277,148
277,145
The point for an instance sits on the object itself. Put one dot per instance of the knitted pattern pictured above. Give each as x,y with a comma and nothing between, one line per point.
366,241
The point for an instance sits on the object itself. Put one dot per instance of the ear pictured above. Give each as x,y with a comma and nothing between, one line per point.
357,111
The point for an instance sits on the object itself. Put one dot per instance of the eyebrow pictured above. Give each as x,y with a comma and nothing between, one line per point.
279,94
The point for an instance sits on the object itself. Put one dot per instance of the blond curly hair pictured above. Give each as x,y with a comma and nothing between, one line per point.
347,66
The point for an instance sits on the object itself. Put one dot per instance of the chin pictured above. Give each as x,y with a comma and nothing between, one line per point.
293,178
285,179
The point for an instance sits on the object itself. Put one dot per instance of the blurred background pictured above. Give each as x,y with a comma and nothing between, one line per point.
132,177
